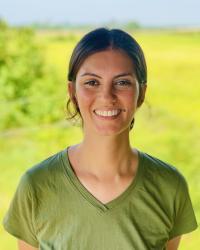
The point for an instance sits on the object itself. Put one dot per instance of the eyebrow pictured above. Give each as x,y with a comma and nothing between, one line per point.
120,75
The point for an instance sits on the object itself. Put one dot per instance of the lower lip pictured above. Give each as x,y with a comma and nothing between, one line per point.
108,117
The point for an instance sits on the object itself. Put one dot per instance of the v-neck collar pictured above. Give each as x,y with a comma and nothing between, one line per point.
85,192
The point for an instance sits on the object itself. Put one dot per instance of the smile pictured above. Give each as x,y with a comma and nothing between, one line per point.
109,113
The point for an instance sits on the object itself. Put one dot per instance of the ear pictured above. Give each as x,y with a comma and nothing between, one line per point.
142,91
71,91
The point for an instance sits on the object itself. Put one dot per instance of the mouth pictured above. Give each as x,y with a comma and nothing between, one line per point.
108,113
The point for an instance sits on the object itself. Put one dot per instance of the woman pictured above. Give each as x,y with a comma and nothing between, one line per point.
102,193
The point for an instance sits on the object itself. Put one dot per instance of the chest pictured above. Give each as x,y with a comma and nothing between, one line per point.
105,191
134,225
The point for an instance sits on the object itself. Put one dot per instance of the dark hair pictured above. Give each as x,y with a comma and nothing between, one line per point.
102,39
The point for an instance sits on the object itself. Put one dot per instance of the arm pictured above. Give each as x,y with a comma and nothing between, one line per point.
173,243
22,245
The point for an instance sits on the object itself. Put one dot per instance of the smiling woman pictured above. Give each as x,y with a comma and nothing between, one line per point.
102,187
106,84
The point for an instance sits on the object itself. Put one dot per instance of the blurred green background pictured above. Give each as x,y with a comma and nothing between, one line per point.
33,96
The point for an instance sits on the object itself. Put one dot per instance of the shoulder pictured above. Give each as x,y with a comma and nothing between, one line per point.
163,183
161,167
162,173
42,172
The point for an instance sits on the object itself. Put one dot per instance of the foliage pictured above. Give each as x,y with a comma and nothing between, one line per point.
132,25
24,78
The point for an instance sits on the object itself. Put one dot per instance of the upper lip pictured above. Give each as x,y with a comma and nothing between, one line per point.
107,109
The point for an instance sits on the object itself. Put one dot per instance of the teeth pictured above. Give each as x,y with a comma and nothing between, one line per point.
107,113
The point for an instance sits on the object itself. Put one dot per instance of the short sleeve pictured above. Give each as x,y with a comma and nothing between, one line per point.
19,219
184,219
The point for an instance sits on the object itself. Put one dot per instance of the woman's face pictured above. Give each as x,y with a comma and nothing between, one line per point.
106,91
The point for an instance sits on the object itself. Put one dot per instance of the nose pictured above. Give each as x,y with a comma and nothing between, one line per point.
108,94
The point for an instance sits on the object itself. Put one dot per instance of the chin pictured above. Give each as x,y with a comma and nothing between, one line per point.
110,131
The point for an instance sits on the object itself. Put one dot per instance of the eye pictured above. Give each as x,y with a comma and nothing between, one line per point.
91,83
123,82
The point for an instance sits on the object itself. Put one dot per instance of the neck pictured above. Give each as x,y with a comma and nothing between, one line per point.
106,157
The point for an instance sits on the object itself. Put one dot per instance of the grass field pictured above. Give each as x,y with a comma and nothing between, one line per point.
167,125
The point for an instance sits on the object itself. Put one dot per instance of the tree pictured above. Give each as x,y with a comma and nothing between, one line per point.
23,77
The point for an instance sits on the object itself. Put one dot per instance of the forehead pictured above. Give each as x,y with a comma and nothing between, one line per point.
107,60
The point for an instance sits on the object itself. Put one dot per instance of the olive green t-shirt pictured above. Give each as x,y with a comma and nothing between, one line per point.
51,208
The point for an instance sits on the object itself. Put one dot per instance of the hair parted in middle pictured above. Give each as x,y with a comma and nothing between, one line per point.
102,39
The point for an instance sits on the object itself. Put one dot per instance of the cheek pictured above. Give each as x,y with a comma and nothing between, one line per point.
130,98
84,97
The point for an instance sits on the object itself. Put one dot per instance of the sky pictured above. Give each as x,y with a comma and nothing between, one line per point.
146,12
